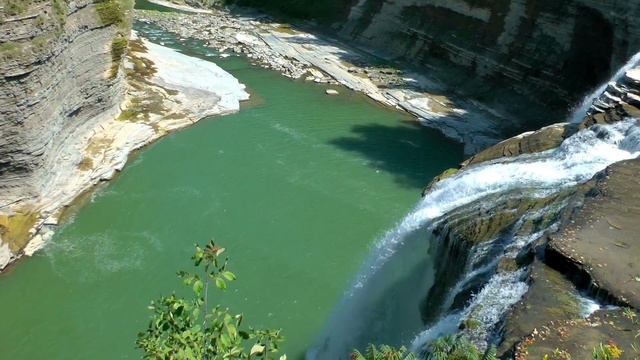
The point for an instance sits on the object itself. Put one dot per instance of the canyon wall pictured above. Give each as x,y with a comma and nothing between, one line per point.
509,54
60,74
549,51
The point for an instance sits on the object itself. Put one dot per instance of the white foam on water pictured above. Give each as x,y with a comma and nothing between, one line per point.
575,161
588,306
489,305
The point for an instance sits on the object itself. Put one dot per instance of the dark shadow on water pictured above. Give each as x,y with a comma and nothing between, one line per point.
411,152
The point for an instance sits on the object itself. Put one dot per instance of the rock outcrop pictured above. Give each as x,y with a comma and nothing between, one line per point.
600,244
620,100
60,75
548,51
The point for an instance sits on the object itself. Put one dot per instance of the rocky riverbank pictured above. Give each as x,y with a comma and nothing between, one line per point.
166,91
298,53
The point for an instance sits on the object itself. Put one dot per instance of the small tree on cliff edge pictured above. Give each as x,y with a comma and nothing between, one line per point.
186,329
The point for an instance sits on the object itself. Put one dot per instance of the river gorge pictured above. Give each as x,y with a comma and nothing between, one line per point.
312,182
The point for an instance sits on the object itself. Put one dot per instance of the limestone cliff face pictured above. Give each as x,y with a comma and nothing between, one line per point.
60,76
549,51
56,76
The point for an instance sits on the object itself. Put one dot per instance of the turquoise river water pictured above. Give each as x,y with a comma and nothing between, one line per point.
297,186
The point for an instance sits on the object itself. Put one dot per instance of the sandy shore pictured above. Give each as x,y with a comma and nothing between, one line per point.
167,91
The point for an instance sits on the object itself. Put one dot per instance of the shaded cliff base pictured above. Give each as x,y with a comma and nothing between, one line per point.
166,91
298,52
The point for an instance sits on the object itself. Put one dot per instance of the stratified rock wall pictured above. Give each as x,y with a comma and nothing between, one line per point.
549,51
56,78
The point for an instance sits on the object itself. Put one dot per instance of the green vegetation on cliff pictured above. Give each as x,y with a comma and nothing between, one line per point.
118,49
116,12
15,7
110,12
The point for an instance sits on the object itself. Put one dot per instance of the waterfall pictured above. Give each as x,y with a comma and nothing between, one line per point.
575,161
581,109
538,175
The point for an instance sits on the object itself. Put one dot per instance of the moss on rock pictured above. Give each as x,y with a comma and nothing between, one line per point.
118,49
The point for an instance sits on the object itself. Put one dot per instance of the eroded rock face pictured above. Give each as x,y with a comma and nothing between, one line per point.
590,245
595,250
551,298
548,51
477,232
53,81
59,78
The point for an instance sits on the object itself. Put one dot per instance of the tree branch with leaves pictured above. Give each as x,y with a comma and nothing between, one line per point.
187,328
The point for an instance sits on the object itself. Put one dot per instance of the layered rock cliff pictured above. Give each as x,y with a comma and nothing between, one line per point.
60,75
549,51
530,58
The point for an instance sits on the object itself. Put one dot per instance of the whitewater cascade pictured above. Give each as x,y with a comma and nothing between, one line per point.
538,175
581,109
575,161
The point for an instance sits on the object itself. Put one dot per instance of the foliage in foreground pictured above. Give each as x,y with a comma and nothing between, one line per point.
385,352
187,328
457,347
610,351
451,347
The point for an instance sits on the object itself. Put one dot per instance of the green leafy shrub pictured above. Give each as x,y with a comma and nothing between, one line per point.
110,12
187,328
385,352
457,347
